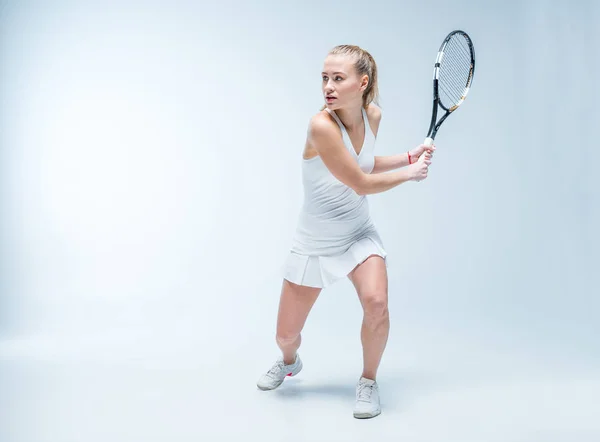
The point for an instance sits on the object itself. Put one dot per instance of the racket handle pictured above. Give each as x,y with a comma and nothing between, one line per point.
428,142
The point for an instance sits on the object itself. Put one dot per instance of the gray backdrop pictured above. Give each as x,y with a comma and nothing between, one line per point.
150,184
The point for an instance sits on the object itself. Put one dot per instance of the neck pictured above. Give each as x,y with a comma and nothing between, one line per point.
350,117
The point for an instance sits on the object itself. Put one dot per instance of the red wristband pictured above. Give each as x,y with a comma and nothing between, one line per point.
409,160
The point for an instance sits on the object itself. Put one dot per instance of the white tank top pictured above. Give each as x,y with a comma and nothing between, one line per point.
333,215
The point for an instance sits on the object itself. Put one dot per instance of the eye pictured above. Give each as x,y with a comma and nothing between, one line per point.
338,78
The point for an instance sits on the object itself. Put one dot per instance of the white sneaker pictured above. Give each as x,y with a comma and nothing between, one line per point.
278,372
367,399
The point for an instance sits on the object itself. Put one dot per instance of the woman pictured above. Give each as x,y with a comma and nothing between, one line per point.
336,237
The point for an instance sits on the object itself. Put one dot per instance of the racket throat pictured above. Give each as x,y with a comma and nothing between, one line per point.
432,126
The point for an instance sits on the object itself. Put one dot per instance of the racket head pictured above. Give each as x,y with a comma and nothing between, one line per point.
454,70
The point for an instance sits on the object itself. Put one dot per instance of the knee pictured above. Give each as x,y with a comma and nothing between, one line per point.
375,305
285,338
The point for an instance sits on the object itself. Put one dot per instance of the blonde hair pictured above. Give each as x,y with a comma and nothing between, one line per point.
364,65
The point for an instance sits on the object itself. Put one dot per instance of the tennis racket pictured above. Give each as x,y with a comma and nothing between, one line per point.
452,78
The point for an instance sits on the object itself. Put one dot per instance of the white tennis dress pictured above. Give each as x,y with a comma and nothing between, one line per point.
335,232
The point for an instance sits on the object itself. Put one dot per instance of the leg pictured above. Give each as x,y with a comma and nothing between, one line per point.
370,281
294,305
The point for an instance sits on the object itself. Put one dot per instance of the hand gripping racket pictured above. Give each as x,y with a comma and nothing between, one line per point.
452,77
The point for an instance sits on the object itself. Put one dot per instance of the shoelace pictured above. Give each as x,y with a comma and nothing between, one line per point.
364,392
276,369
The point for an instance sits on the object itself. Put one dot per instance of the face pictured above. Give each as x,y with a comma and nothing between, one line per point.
341,85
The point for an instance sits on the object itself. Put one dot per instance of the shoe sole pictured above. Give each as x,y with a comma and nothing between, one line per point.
269,388
367,415
288,375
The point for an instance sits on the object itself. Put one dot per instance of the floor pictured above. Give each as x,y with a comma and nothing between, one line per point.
163,382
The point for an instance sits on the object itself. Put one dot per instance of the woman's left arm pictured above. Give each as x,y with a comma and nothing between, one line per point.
390,162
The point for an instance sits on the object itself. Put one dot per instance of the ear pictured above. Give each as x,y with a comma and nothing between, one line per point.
364,82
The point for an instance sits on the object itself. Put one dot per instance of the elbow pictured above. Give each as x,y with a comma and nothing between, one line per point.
362,188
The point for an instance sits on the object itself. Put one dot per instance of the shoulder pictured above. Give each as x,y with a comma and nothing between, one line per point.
374,111
322,124
374,116
323,134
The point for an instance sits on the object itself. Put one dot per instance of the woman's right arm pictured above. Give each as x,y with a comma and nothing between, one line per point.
325,138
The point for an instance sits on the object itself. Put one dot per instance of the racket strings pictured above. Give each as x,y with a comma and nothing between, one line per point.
451,83
456,60
460,45
454,73
452,76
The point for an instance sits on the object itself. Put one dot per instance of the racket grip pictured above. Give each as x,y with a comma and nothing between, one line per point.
428,142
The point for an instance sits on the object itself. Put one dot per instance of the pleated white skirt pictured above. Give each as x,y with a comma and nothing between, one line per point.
322,271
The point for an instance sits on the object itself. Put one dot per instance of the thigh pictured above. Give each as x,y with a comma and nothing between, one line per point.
370,280
295,303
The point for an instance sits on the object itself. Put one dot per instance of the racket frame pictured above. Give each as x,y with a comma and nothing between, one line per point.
433,125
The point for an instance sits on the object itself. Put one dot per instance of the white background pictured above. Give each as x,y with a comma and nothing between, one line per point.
150,185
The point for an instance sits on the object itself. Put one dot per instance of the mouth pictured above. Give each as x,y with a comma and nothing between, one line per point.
329,98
